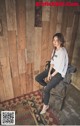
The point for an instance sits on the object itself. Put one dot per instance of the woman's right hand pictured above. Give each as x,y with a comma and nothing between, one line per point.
49,73
49,77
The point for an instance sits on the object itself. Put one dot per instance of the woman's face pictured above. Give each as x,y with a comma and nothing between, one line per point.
56,42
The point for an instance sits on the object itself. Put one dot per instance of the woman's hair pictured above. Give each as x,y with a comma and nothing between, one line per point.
60,38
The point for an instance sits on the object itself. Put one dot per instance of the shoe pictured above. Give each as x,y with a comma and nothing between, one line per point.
44,109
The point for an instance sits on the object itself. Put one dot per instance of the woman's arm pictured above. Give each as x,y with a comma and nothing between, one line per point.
51,66
49,73
54,73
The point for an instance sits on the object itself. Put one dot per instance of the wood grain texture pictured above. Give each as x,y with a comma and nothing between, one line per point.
21,61
29,77
37,48
14,63
46,12
37,55
7,78
53,23
11,14
23,83
70,17
13,53
74,34
68,38
64,20
6,82
16,86
4,21
30,29
2,48
1,28
21,23
45,41
3,39
2,88
59,19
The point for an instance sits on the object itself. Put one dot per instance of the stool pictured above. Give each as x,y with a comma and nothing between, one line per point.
59,93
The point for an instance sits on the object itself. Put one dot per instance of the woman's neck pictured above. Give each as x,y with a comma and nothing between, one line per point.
58,47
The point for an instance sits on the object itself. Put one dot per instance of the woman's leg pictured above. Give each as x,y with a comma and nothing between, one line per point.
52,83
40,77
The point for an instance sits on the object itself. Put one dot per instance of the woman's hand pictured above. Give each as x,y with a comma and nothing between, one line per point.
54,73
49,73
49,77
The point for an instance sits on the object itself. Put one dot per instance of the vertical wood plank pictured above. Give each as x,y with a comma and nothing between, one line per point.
30,30
46,12
2,88
21,42
68,38
13,52
21,61
7,78
3,17
70,17
2,91
29,76
3,50
38,15
7,88
11,14
21,23
53,23
23,82
37,48
16,86
59,19
37,54
3,39
65,20
45,41
14,62
74,34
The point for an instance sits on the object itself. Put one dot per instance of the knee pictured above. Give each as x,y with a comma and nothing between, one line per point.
46,90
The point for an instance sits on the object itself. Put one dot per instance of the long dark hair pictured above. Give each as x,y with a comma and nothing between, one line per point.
60,38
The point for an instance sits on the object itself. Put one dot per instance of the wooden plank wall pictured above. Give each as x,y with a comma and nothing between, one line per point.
24,48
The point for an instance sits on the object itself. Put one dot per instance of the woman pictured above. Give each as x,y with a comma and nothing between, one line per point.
57,70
